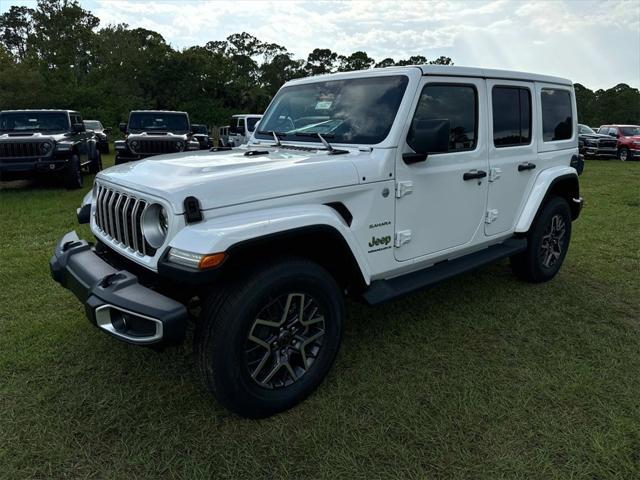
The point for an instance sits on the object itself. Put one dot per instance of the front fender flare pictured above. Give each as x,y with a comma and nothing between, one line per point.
543,183
219,234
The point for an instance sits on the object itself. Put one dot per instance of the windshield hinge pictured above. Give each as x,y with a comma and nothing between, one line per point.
491,216
404,188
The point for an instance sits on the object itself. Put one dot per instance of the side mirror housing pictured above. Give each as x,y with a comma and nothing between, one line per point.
427,136
79,128
123,127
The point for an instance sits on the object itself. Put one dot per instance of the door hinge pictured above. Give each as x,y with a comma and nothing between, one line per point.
494,174
404,188
402,237
491,216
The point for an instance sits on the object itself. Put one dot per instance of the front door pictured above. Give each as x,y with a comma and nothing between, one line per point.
513,152
440,202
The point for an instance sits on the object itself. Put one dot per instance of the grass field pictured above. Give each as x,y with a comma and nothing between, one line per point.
481,377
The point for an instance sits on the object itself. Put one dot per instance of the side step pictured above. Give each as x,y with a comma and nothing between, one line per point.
384,290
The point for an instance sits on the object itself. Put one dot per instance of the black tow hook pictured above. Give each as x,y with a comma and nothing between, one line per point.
111,279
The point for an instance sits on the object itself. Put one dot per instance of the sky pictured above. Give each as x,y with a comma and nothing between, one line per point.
596,43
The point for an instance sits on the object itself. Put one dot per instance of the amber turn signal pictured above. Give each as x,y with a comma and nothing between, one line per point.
211,261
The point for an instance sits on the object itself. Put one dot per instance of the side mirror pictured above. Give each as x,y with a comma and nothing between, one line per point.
79,128
107,130
123,127
425,137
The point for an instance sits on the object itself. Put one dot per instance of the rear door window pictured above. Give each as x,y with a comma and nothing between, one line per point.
511,108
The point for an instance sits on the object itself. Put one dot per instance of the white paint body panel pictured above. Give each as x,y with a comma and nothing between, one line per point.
245,197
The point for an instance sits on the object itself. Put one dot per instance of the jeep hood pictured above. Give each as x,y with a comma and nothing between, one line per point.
219,179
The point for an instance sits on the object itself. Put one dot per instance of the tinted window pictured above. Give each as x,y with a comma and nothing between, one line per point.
202,129
557,121
511,116
251,123
630,131
358,110
584,130
456,104
34,121
159,121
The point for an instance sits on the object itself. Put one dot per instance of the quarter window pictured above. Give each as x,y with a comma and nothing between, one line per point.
455,104
511,116
557,117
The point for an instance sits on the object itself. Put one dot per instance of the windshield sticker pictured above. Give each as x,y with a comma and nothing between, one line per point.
323,105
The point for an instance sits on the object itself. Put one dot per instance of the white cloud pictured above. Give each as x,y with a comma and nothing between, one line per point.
594,42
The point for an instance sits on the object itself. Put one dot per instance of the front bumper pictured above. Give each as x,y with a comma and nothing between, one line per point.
29,166
113,299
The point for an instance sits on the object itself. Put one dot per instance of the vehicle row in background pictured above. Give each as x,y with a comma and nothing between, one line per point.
592,144
35,143
154,132
239,130
627,140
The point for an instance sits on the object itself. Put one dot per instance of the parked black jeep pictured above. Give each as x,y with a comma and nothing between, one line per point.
592,144
154,132
39,142
201,134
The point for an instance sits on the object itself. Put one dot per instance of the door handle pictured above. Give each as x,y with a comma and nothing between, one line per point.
526,166
474,174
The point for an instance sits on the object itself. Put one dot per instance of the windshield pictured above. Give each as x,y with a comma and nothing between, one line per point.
585,130
158,121
359,110
199,129
93,125
34,122
630,131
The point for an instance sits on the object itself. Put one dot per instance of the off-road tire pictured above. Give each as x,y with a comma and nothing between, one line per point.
530,264
96,164
229,317
73,173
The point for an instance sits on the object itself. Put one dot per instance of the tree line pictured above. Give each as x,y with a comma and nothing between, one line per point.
57,55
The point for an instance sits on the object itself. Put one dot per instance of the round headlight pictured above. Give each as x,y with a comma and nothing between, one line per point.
45,147
179,145
134,145
155,224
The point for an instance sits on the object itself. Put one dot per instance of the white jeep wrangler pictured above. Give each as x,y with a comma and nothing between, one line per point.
370,184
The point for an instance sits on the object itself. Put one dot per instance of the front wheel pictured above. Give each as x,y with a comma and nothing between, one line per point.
623,154
270,339
73,173
547,243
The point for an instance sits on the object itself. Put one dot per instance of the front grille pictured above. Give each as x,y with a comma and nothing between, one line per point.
607,143
21,149
154,147
119,216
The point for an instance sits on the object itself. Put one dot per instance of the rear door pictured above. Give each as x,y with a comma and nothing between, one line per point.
512,152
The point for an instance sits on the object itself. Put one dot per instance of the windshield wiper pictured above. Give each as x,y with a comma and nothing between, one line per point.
276,135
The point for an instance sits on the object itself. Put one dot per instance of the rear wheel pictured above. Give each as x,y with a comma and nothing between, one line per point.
73,173
548,242
266,343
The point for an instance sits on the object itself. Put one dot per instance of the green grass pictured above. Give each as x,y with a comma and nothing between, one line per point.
481,377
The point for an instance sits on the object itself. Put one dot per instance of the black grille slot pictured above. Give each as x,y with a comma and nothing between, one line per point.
146,147
21,149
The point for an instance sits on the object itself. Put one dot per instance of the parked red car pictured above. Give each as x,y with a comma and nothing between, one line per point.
628,140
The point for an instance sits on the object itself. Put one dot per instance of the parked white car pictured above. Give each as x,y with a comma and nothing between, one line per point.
370,184
241,127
